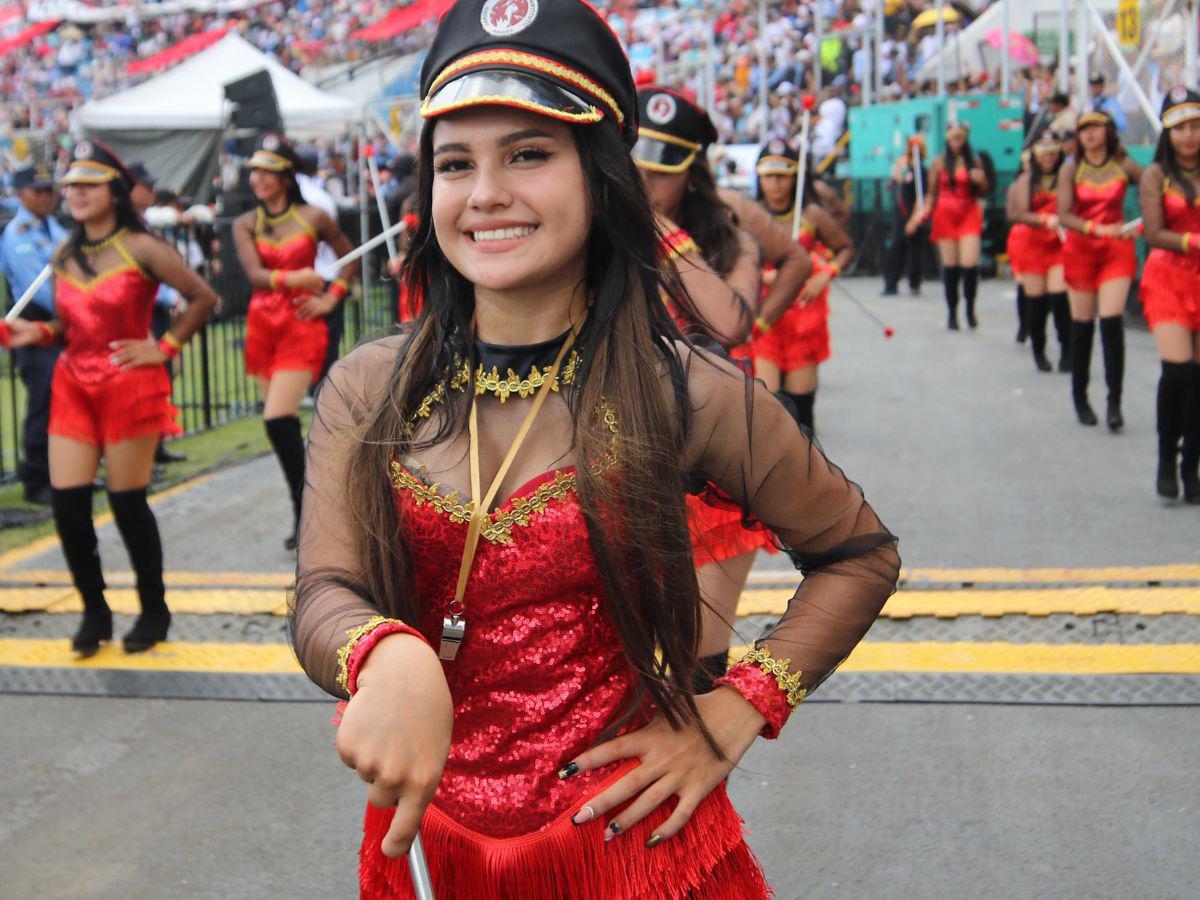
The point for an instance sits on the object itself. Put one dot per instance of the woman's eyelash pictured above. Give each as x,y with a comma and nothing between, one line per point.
530,153
449,165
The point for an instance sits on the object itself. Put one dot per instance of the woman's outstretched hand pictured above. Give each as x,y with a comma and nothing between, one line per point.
395,732
673,764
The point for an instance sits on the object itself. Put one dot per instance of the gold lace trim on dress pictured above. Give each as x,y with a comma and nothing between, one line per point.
779,670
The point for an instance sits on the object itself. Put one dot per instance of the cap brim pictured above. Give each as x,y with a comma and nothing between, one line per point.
776,165
511,88
1177,115
660,156
88,175
272,162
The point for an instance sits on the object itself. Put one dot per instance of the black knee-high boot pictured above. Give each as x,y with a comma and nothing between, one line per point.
1112,340
950,276
1173,386
1082,336
77,533
708,670
970,286
1189,465
288,443
1035,318
1060,309
804,404
139,532
1023,304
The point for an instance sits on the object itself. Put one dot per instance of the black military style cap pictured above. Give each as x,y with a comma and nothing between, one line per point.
1179,106
777,157
37,178
673,130
275,153
95,163
556,58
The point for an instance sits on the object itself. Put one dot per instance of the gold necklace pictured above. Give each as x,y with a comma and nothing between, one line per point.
92,249
500,387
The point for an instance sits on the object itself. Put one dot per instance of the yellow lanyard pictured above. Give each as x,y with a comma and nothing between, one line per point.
454,623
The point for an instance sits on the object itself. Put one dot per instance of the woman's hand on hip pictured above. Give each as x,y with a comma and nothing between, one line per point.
130,354
395,732
314,306
674,763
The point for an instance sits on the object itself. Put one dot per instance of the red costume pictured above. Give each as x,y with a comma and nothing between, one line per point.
1034,250
276,340
718,528
1171,280
1089,260
956,213
92,400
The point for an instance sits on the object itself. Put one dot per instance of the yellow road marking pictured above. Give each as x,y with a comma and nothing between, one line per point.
41,545
870,656
1046,576
59,577
1087,601
227,601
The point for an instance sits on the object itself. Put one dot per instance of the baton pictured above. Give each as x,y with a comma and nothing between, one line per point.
380,202
888,331
27,297
802,171
333,268
418,868
916,149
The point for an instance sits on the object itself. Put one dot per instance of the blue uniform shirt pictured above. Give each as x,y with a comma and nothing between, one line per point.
26,246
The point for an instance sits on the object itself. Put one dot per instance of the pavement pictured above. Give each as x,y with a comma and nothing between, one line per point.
1020,722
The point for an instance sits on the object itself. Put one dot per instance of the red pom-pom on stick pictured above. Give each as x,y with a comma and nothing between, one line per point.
889,332
808,102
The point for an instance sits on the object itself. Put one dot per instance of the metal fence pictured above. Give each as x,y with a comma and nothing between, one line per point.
210,385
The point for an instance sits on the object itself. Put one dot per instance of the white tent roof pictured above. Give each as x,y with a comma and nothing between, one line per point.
191,95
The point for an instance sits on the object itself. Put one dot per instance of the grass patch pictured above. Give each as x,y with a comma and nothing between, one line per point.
207,451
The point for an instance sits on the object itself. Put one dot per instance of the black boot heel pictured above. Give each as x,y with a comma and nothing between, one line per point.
148,630
1167,484
95,627
1084,411
1113,417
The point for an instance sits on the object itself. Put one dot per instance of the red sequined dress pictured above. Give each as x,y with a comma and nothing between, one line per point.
956,212
1034,250
801,336
1170,288
276,340
91,399
718,527
541,673
1090,260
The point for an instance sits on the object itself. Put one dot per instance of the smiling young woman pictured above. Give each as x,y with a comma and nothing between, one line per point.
550,745
110,397
1170,199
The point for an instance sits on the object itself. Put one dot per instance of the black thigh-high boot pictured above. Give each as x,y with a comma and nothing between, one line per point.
77,533
1060,309
1082,336
804,404
708,670
1112,340
1189,465
1173,386
970,286
139,532
1023,303
1037,310
950,276
288,443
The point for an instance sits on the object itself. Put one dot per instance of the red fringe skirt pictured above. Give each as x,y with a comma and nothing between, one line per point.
799,339
276,341
1170,289
720,533
121,406
1089,261
955,218
1033,251
708,859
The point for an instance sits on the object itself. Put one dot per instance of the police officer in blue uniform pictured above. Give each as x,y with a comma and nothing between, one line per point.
25,249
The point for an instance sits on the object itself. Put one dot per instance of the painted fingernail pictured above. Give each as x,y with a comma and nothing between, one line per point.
584,815
568,770
614,829
655,841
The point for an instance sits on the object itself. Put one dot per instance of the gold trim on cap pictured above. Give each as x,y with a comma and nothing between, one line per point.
777,165
592,115
1180,113
1092,117
664,138
87,171
524,61
272,162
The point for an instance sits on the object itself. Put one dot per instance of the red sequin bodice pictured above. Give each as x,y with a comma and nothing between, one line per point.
1101,201
959,186
296,252
113,306
540,673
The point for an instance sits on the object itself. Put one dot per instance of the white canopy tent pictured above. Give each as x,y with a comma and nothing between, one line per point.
173,122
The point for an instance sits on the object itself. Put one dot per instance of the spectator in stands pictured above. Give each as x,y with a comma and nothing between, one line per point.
1105,103
830,123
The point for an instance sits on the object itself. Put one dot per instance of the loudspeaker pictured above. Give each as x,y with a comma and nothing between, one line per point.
254,103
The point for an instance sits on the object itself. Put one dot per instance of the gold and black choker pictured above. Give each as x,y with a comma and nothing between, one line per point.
91,249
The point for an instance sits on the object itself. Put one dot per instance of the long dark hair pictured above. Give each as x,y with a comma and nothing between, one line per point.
636,522
127,218
1113,148
1164,155
967,155
708,220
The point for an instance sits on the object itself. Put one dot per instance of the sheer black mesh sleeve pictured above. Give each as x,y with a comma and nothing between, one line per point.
326,603
744,441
